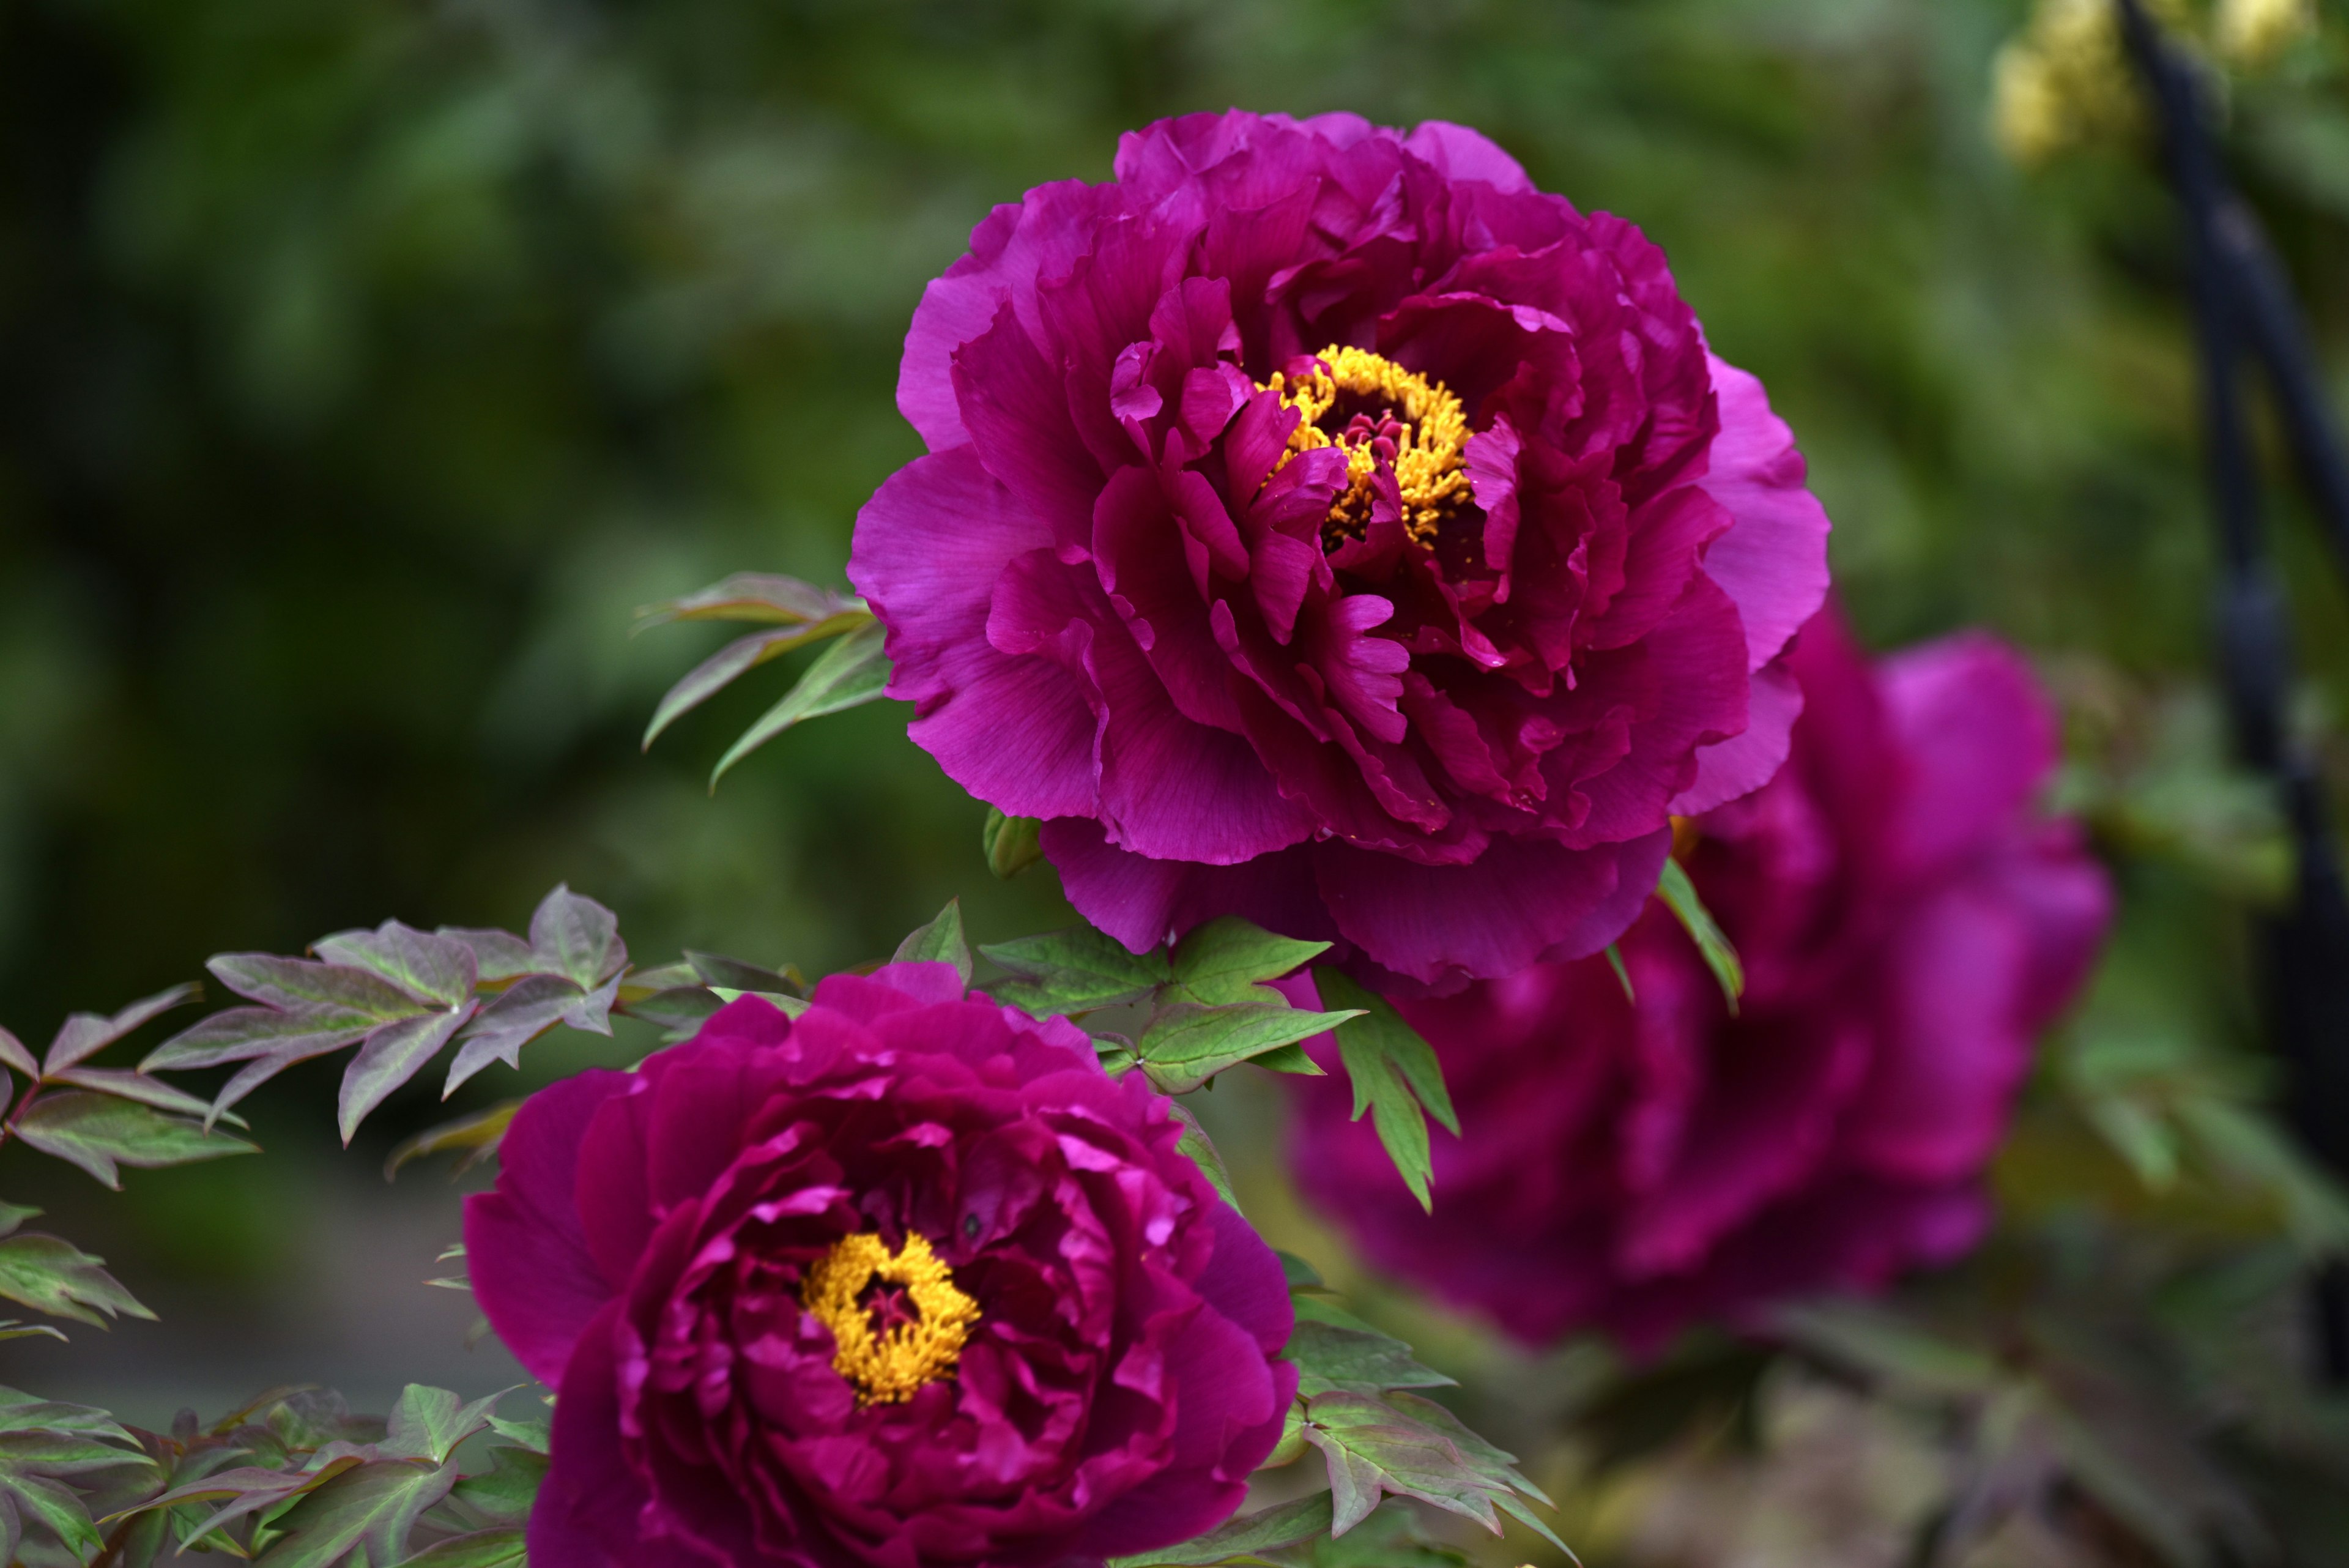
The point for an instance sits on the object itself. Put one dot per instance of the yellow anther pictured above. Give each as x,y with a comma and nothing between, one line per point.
1429,452
887,1367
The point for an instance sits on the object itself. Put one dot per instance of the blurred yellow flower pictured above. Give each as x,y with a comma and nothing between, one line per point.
2252,33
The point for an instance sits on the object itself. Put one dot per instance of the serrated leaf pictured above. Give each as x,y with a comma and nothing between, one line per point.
1356,1360
1011,844
478,1135
508,1488
429,1423
1201,1150
126,1085
54,1276
99,1132
520,1014
429,966
372,1506
1680,896
575,937
711,969
1486,1456
482,1549
389,1057
1396,1076
750,597
1226,960
85,1034
738,658
1244,1538
1187,1045
1074,970
850,673
941,941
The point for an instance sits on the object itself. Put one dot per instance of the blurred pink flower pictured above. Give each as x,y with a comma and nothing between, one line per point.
907,1279
1908,922
1324,526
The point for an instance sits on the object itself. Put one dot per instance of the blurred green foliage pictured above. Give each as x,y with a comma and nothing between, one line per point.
364,364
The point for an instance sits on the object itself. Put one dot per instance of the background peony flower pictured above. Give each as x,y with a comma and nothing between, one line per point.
1908,923
1321,525
1058,1342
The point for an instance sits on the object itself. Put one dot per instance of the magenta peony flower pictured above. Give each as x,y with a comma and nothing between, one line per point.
1324,526
1908,923
908,1279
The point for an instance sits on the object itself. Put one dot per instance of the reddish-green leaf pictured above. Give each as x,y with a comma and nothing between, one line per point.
129,1085
99,1132
941,941
577,938
54,1276
714,674
389,1057
478,1136
750,597
425,965
852,671
86,1034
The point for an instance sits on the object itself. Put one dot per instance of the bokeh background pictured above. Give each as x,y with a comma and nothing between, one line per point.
363,364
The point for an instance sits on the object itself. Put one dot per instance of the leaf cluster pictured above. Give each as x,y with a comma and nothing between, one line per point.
291,1480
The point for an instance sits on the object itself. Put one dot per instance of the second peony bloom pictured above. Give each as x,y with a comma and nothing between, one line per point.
1321,525
905,1280
1908,922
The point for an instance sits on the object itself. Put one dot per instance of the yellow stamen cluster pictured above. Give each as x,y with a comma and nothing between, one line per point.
887,1368
1430,452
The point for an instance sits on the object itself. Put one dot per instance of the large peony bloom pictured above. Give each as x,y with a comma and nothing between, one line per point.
1322,525
908,1279
1908,921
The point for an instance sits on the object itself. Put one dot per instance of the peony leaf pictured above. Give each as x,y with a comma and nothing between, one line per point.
429,1423
1011,844
129,1085
511,1486
941,941
11,1329
243,1033
309,987
1622,975
1390,1538
85,1033
752,597
389,1057
499,957
712,970
1395,1075
482,1549
577,938
99,1132
371,1506
478,1135
429,966
850,673
1300,1274
678,1011
1225,960
1074,970
525,1010
1357,1360
1243,1539
1187,1045
1372,1449
1680,894
737,657
55,1277
1201,1148
13,1055
54,1509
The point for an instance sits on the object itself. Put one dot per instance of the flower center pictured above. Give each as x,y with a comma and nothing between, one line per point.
1380,416
908,1348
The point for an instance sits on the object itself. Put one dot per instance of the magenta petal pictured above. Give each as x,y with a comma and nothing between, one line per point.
1466,154
1728,770
587,1508
1141,901
1983,738
527,1250
1774,558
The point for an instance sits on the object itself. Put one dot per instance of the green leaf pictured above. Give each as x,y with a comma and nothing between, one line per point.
941,941
244,1034
389,1057
1360,1362
478,1135
428,965
373,1506
1300,1274
1225,960
1242,1539
507,1489
1372,1449
54,1276
1680,894
1011,844
85,1034
1289,1059
1622,975
482,1549
12,1215
99,1132
678,1011
429,1423
737,659
125,1085
1201,1149
852,671
1074,970
12,1329
57,1509
713,970
1187,1045
1871,1340
1395,1075
750,597
538,1436
1389,1538
325,990
574,935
